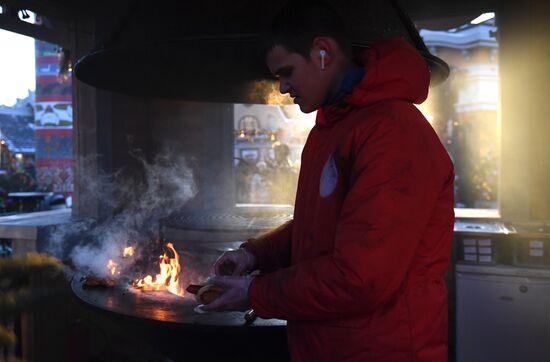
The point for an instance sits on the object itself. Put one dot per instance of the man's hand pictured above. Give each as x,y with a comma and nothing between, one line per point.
235,262
235,296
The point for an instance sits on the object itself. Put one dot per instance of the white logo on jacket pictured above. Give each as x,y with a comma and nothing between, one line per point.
329,177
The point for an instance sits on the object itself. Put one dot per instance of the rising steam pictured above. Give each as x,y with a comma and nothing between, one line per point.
162,186
264,91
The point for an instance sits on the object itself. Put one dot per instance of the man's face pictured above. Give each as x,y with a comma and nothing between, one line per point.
299,77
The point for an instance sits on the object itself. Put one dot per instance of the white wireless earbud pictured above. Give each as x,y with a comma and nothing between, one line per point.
322,53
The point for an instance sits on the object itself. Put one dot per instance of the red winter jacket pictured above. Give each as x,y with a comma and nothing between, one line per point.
358,273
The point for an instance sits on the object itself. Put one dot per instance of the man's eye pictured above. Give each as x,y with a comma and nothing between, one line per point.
285,73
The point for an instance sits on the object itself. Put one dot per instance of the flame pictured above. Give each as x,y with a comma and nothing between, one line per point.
168,278
128,251
268,91
111,265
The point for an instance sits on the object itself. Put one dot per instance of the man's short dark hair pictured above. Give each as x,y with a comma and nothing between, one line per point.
299,22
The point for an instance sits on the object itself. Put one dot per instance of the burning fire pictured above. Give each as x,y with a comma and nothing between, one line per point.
128,251
111,265
269,92
168,279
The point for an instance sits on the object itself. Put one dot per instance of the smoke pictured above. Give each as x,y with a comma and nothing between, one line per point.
268,92
140,196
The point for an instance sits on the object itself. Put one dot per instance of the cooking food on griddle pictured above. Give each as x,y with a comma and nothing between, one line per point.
193,288
92,281
205,294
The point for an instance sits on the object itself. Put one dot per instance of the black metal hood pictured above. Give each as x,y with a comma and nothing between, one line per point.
208,51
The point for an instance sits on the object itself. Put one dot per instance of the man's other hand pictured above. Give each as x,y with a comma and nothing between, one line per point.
235,263
235,296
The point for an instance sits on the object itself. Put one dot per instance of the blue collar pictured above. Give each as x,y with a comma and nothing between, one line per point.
351,78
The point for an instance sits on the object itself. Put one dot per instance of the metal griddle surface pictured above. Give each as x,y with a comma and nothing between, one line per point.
225,221
161,307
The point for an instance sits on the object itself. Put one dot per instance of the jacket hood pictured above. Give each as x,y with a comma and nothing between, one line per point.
393,70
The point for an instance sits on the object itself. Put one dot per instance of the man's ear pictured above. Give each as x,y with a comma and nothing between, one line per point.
323,51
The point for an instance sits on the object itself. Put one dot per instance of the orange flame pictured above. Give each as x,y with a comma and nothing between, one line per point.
167,279
268,91
111,265
128,251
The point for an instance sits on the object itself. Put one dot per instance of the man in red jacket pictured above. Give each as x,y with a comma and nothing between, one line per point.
358,273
